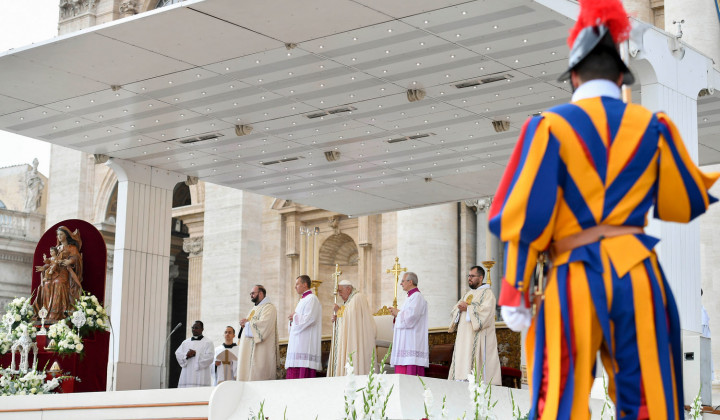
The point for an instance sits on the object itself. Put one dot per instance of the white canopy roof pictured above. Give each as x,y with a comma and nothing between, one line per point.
168,87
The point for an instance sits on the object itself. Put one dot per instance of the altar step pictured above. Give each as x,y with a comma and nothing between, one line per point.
152,404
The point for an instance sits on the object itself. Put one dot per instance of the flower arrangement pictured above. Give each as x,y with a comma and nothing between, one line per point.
30,383
696,409
608,406
19,313
63,339
481,395
96,318
375,395
428,403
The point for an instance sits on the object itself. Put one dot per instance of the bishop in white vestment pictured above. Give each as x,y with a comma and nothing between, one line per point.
476,342
259,340
410,352
354,332
195,355
226,354
303,351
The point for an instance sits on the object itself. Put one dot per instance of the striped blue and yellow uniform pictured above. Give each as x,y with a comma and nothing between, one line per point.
591,162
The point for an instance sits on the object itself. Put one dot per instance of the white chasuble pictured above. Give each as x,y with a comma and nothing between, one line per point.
354,333
259,344
305,334
195,370
476,343
228,364
410,334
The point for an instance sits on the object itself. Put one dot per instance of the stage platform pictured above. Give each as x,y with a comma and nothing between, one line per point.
320,398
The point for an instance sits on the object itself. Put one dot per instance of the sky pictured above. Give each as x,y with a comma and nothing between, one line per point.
23,22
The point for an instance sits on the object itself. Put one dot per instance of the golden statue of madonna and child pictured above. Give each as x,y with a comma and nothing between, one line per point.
61,276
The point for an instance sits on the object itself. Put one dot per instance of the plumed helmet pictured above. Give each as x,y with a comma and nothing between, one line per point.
601,25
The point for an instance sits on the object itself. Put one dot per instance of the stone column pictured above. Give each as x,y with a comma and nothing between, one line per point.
364,280
232,261
71,194
140,273
194,247
427,244
488,246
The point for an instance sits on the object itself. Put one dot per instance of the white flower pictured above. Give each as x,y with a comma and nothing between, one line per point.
100,322
90,312
428,397
79,347
17,317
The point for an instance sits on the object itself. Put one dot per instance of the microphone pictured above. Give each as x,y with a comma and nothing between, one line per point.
162,365
175,329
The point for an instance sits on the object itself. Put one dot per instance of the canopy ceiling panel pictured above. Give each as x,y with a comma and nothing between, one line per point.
167,88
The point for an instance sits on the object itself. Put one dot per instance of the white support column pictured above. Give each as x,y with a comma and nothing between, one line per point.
671,82
140,273
427,245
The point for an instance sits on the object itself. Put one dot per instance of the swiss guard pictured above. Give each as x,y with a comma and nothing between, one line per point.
578,187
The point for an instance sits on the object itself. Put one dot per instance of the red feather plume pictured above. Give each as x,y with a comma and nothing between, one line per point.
607,12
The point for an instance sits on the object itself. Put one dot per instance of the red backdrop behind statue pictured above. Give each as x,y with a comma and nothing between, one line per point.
92,369
94,255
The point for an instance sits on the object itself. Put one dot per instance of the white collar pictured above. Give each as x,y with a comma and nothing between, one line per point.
264,301
483,286
595,88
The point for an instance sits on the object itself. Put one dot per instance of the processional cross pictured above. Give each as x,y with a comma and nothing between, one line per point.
336,276
396,270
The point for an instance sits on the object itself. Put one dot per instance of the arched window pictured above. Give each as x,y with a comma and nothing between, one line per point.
181,195
111,209
163,3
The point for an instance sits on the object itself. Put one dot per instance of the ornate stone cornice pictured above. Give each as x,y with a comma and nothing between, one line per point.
129,8
72,8
193,246
480,204
25,259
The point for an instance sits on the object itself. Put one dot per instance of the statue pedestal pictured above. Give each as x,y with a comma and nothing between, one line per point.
91,369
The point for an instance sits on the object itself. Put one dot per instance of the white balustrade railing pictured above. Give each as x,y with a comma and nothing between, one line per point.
17,224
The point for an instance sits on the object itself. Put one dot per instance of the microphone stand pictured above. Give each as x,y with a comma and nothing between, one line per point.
162,364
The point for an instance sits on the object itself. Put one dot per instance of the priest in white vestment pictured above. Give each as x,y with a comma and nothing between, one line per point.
410,353
259,339
305,326
226,357
195,355
476,342
354,332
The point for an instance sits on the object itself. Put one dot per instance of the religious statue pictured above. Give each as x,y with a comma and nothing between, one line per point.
34,188
61,275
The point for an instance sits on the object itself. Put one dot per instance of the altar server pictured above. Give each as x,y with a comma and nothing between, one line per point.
195,355
410,354
580,183
225,358
354,332
259,339
305,326
476,344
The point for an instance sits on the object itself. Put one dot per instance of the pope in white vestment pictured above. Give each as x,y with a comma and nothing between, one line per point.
225,364
410,352
305,327
259,340
354,333
476,342
195,355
